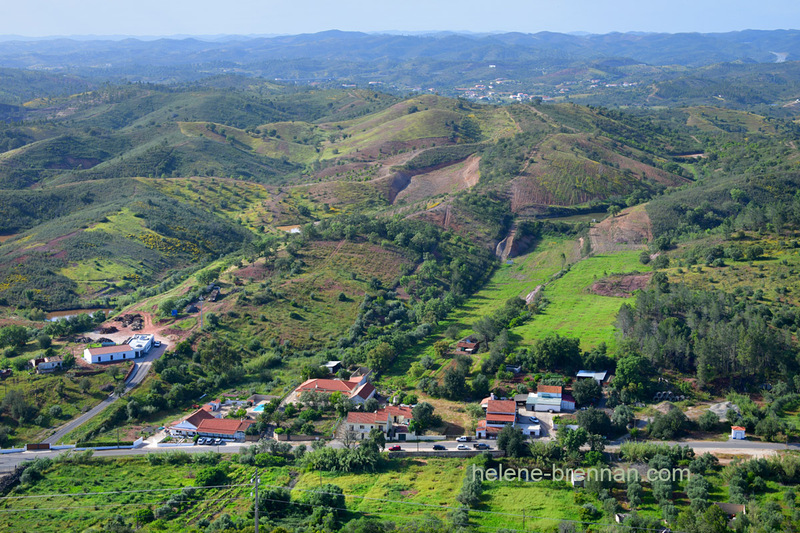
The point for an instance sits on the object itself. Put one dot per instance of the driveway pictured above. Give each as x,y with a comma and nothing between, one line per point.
140,370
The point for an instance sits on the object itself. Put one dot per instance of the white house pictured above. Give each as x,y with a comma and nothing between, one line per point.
109,354
391,420
224,428
550,398
44,365
499,413
137,346
187,427
141,344
738,432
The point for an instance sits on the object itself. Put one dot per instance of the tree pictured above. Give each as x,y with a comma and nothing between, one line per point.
613,210
667,426
217,354
379,358
440,348
623,416
15,336
486,327
511,441
555,352
328,496
572,440
594,421
371,405
212,475
480,385
769,427
44,341
422,414
708,421
84,385
586,391
454,384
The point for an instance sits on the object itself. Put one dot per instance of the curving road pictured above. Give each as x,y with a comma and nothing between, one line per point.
141,368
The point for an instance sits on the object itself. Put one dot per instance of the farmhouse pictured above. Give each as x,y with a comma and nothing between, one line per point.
187,427
550,398
43,365
468,345
358,389
108,354
137,346
499,413
224,428
392,421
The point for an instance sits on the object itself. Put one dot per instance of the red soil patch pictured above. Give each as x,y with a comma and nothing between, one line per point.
621,286
630,229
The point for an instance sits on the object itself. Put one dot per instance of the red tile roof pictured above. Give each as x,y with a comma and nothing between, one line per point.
355,417
223,426
381,415
500,418
198,416
365,391
552,389
501,406
738,428
328,385
105,350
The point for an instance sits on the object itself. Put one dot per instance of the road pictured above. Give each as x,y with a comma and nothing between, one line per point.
141,368
9,461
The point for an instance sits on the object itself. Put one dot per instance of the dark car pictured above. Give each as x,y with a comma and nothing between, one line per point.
481,446
438,447
395,448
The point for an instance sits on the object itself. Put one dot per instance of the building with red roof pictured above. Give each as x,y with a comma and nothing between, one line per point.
499,413
225,428
187,426
358,389
391,420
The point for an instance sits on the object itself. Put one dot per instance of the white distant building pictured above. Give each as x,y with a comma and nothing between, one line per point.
137,346
738,432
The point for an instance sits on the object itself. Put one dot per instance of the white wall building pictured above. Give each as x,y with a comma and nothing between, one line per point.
108,354
141,344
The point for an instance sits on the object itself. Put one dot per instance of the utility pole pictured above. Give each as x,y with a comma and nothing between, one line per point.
255,481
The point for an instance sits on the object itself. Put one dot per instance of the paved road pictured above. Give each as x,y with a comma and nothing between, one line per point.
141,368
9,461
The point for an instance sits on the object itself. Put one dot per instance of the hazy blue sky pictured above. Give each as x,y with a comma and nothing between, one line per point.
208,17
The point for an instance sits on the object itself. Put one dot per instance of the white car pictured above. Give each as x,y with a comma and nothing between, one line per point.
463,447
462,439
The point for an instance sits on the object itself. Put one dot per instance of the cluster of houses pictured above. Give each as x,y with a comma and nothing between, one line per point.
208,422
137,346
357,387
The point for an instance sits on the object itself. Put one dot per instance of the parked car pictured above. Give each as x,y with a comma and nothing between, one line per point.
534,419
219,441
463,447
438,447
481,446
395,448
463,438
201,440
157,344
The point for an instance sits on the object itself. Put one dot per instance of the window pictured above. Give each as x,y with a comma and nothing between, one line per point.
111,358
360,427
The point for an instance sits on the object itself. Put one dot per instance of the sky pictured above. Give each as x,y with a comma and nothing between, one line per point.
37,18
